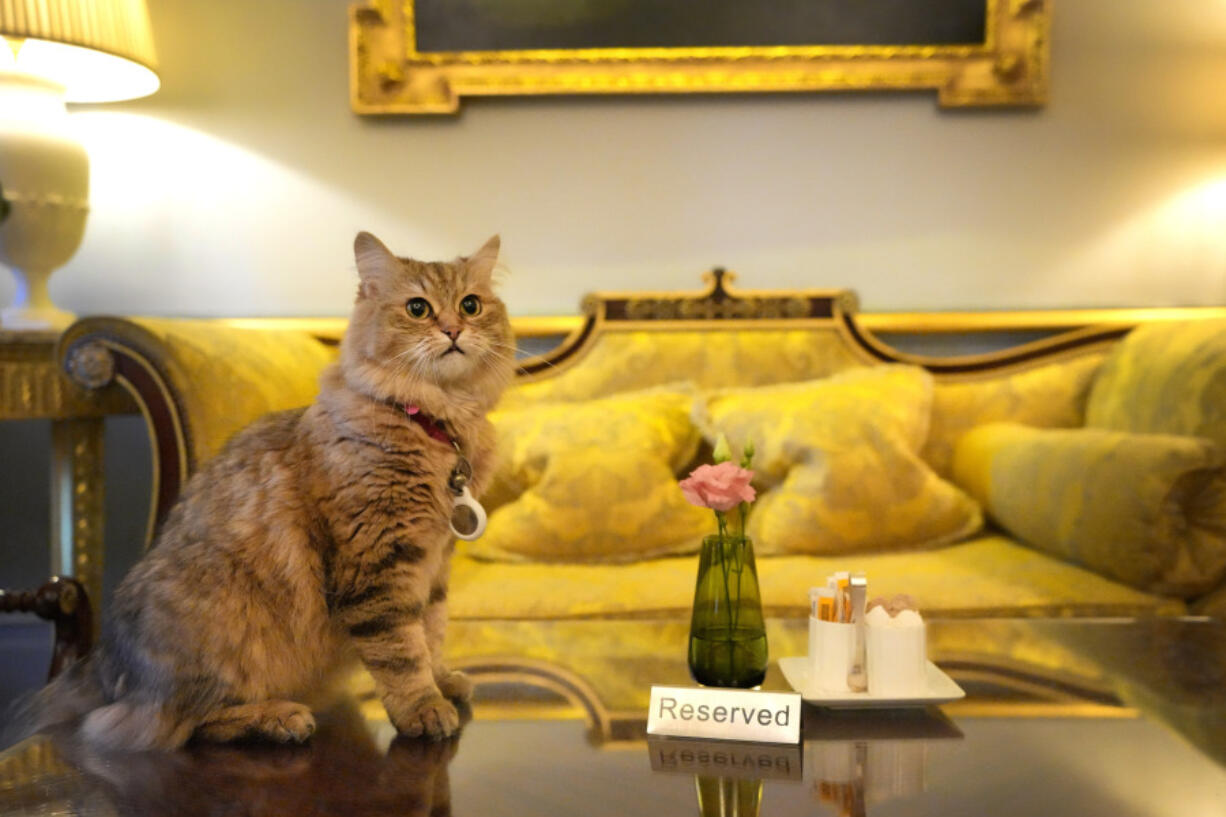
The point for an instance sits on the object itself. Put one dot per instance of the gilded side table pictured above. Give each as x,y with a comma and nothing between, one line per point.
32,387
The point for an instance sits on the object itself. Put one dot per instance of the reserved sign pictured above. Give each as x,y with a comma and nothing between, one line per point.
726,714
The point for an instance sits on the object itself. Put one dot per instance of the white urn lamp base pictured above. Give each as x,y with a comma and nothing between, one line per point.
44,180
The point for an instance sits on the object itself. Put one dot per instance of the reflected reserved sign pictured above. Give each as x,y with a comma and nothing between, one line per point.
717,758
725,714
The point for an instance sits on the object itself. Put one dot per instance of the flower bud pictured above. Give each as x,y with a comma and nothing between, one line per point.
723,451
747,454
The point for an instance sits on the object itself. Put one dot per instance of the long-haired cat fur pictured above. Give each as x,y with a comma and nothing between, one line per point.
315,535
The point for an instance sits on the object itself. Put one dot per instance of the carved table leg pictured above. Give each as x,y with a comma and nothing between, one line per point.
77,507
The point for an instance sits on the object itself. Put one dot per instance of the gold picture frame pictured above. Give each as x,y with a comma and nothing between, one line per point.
389,75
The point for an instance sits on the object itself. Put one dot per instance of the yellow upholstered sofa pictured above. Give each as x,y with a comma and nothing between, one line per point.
1074,474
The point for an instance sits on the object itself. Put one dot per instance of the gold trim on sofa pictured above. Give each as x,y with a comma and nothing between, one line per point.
1038,320
721,306
117,344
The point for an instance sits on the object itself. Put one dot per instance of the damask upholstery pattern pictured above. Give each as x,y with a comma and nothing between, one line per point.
594,481
1051,396
1146,509
1165,379
837,461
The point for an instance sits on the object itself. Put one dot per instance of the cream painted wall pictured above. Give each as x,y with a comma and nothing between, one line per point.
236,190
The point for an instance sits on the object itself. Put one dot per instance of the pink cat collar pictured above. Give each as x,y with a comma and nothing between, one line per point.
432,427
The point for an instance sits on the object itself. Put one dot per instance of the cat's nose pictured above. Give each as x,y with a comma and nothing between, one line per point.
452,332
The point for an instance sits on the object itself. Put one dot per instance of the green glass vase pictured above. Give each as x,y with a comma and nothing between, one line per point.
727,631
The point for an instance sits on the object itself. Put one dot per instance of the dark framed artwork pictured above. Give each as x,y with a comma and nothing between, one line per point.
422,56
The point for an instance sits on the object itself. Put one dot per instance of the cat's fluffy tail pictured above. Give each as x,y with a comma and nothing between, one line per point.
136,726
75,700
63,701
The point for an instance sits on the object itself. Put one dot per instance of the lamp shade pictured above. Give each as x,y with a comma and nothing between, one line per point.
98,50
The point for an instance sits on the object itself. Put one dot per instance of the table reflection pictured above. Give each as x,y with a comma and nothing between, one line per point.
851,758
857,758
728,797
342,770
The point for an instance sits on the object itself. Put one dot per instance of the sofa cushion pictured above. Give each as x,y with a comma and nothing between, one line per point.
1165,379
986,576
1147,509
594,481
1051,396
837,462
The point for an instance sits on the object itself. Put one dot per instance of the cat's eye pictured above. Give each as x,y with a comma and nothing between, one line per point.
419,308
471,305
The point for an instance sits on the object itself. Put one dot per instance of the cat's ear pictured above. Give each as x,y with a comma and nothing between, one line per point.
481,263
377,266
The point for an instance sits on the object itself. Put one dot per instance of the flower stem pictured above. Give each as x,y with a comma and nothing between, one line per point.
730,608
739,564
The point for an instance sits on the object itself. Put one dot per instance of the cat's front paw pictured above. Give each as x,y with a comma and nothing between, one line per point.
429,715
455,686
293,726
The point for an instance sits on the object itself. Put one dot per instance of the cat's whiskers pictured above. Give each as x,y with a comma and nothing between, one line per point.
412,351
485,363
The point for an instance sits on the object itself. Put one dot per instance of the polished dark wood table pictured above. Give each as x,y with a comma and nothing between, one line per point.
1154,743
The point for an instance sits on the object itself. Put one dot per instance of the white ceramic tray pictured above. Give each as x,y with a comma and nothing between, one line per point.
941,689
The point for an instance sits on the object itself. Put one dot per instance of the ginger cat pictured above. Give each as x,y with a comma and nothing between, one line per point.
315,535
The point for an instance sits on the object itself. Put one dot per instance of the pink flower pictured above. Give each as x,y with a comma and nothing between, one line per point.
719,487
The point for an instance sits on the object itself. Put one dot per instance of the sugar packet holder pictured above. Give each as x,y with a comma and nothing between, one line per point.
855,647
